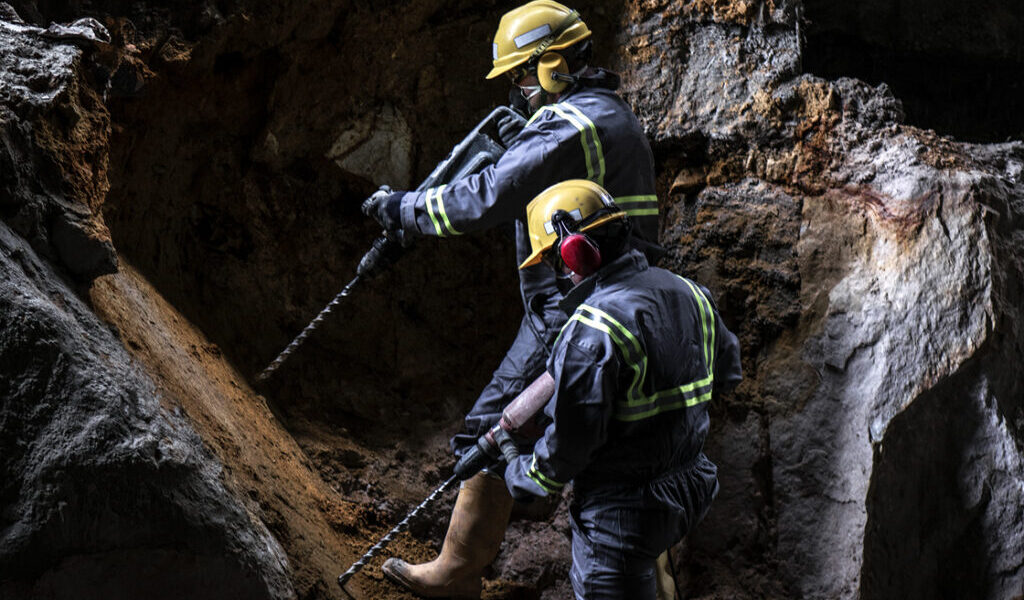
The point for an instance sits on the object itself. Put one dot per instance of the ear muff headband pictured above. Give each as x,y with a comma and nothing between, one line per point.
552,70
567,22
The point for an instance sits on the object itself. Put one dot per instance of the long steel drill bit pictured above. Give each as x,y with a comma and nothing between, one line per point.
384,541
308,330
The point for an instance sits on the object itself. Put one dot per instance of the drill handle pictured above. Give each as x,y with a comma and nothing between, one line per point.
381,255
501,438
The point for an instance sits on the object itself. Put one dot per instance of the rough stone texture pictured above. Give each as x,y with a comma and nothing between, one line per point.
99,478
54,150
860,262
871,268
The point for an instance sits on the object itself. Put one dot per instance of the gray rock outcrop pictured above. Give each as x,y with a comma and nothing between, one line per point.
100,479
875,449
54,131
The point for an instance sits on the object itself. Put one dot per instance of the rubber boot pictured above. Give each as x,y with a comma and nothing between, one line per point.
666,584
474,536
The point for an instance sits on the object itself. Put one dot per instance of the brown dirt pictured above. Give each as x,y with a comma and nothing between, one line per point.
326,492
321,530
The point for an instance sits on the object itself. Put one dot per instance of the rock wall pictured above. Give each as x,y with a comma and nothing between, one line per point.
54,129
101,478
870,267
866,266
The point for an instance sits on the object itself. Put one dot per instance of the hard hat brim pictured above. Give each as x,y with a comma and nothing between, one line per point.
537,254
496,71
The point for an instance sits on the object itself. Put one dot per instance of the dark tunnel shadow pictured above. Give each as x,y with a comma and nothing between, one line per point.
956,67
922,539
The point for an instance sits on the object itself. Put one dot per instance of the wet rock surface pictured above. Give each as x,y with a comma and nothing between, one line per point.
870,267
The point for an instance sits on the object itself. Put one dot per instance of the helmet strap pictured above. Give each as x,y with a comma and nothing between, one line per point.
567,22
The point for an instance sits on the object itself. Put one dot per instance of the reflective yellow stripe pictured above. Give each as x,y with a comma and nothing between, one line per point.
591,174
664,407
595,140
444,215
593,154
634,199
638,406
430,211
638,363
633,392
639,206
435,207
546,483
707,325
535,115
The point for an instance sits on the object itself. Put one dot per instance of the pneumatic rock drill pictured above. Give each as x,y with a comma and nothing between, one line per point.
492,448
481,147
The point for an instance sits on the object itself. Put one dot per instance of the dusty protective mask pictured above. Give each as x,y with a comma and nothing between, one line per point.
529,91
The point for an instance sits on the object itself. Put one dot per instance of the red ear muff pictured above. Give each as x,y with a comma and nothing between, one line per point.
580,254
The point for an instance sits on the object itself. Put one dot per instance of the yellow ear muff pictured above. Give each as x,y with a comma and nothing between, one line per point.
549,64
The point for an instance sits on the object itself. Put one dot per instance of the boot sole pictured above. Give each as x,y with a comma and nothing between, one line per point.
393,569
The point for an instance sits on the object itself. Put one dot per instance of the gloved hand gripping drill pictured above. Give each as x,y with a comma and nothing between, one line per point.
383,206
476,151
498,443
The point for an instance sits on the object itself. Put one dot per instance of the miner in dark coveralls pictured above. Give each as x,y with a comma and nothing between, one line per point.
642,354
578,128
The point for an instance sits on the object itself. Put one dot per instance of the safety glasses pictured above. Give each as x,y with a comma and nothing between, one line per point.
516,74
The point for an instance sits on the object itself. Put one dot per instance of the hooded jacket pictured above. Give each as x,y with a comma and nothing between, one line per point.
635,367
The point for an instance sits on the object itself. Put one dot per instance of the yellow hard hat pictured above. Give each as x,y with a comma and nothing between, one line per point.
526,32
587,204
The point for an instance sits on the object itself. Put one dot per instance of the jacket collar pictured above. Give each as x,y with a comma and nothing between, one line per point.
594,77
631,261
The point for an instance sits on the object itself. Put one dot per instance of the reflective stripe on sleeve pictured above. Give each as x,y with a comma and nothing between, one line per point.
707,325
546,483
632,353
435,208
592,140
638,206
593,153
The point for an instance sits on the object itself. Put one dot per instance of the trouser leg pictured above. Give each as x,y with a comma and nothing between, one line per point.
618,534
602,567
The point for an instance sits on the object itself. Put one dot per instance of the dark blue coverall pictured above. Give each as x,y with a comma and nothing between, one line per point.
589,134
634,369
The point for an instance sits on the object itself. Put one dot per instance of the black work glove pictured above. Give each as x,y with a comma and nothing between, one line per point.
509,127
385,207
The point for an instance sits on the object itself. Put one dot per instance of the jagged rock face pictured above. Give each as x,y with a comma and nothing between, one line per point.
866,266
54,129
100,479
871,269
